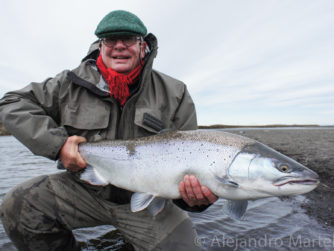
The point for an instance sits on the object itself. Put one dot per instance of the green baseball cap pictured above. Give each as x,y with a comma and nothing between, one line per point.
120,22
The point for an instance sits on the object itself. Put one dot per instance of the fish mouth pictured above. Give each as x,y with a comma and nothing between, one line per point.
308,182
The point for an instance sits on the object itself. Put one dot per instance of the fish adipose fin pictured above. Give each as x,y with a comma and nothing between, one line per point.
92,177
227,181
140,201
235,208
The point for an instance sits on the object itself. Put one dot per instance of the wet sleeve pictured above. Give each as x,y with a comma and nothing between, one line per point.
32,115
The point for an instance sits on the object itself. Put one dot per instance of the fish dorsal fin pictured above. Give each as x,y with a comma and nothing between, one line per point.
140,201
235,208
227,181
156,206
92,177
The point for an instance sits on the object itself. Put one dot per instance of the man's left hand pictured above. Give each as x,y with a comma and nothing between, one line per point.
194,194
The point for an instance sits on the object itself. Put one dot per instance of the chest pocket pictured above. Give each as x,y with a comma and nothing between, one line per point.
86,116
149,120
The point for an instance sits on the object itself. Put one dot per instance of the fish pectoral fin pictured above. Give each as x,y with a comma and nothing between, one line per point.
156,206
227,181
140,201
235,208
90,175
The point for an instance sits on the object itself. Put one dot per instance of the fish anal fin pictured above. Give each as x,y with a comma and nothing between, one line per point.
235,208
140,201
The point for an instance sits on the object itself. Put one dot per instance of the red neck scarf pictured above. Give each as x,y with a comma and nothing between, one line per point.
118,82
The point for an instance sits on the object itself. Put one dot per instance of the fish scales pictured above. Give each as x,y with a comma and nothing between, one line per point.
141,164
231,166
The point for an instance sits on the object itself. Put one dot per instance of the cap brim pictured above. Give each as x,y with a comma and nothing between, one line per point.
118,33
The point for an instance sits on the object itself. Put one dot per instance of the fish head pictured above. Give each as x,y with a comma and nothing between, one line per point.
262,172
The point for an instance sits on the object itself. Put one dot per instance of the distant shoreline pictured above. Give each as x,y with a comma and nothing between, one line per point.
221,126
4,132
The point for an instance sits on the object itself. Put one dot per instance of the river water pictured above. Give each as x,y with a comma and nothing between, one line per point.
269,224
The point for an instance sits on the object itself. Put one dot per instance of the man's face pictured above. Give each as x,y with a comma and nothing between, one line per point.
118,55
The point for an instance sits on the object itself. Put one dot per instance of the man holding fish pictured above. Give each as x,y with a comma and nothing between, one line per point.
113,94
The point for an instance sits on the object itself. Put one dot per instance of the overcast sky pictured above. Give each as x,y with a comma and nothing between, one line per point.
247,62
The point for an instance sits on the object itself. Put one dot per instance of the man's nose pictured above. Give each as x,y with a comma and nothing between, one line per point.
119,44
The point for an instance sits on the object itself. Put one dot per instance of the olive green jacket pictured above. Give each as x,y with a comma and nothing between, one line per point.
43,115
77,102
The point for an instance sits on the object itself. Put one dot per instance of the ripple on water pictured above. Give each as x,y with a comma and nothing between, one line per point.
270,224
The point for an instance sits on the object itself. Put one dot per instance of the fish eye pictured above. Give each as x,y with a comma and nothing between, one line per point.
284,168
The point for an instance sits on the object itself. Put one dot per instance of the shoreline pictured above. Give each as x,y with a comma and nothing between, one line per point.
269,126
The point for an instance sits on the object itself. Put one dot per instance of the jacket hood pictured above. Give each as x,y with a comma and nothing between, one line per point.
88,76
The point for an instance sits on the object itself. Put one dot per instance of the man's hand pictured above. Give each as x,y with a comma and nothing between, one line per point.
70,156
194,194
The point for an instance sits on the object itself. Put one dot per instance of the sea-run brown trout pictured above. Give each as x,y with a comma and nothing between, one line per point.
233,167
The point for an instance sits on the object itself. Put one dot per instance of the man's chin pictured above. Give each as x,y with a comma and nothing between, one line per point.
122,69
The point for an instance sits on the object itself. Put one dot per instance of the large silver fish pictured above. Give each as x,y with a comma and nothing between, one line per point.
231,166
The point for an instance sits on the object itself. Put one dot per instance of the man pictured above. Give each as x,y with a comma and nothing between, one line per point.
113,94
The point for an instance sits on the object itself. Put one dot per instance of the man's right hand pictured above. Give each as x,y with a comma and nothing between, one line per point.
70,156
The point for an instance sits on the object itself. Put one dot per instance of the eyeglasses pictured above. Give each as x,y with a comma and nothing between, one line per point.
126,40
